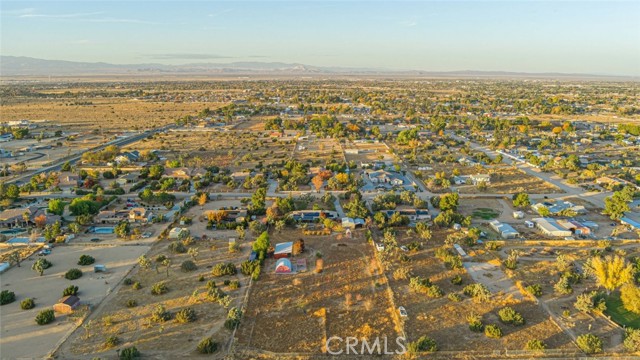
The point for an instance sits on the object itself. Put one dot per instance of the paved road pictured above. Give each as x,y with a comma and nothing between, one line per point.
595,198
73,159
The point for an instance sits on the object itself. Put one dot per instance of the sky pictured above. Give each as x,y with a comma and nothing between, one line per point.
590,37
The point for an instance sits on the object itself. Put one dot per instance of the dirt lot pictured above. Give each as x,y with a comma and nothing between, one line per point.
21,336
108,113
296,313
318,151
368,152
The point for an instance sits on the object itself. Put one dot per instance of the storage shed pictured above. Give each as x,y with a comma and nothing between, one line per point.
67,304
283,266
283,250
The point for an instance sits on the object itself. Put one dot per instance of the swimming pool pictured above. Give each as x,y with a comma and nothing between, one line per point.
15,231
24,240
104,230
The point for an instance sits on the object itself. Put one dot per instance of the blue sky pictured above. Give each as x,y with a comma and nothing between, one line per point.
597,37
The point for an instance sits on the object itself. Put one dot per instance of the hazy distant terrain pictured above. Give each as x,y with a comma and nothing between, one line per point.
11,66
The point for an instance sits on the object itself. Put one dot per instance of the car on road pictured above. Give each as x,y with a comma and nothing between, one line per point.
44,252
146,235
95,240
402,311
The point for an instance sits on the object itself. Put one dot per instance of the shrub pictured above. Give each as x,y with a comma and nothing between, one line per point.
589,343
201,278
45,317
233,318
424,344
223,269
159,288
86,260
129,353
226,282
185,315
475,322
456,280
535,345
563,286
493,331
136,286
27,304
207,346
434,291
188,266
509,316
73,274
235,284
247,267
632,340
70,290
177,247
535,290
492,245
402,273
111,341
128,281
160,258
211,284
132,303
593,301
215,294
160,314
478,292
455,297
7,297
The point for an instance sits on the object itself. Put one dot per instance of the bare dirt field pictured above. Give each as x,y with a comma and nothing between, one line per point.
296,313
317,151
21,336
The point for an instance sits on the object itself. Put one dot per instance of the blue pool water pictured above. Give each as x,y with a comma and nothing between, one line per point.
103,230
12,231
24,240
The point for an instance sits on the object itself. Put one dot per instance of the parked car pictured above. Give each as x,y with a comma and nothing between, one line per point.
44,252
404,248
403,311
146,235
95,239
379,246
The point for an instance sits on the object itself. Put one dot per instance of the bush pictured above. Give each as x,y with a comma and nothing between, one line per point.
493,331
402,273
159,288
563,286
132,303
70,290
233,318
27,304
136,286
632,340
160,314
455,297
207,346
475,322
509,316
177,247
424,344
226,282
201,278
456,280
186,315
45,317
73,274
128,281
86,260
7,297
235,284
593,301
535,290
223,269
478,292
589,343
160,258
188,266
129,353
111,341
535,345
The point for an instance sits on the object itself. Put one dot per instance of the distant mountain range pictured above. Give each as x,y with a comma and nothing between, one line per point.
19,66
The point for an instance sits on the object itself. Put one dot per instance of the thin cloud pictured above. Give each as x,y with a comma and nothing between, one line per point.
18,11
185,56
221,12
59,16
409,23
121,20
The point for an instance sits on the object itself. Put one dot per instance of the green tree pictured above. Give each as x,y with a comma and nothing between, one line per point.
611,272
630,297
56,206
123,229
521,200
449,202
615,206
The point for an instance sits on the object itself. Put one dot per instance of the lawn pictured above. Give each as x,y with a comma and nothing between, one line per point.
619,314
485,213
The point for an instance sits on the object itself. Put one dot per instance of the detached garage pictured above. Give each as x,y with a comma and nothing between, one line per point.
67,304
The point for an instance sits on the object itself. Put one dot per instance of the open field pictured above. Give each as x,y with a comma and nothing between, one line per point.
619,314
21,336
109,114
296,313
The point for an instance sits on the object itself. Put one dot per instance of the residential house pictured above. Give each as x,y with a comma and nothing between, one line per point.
68,181
140,215
480,178
10,218
550,227
110,217
178,233
128,157
506,231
